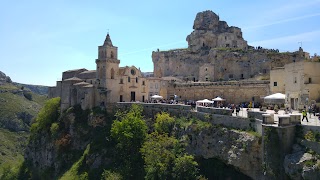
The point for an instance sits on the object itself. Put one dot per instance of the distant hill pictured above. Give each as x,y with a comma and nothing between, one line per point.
39,89
19,105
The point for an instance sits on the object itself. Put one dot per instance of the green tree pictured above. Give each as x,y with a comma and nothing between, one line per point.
185,167
47,115
129,132
110,175
164,123
159,152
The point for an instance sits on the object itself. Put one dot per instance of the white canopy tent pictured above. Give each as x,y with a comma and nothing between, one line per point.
204,102
218,99
156,97
277,98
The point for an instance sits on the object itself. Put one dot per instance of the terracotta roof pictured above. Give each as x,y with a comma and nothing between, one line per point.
76,70
73,79
81,84
90,71
88,86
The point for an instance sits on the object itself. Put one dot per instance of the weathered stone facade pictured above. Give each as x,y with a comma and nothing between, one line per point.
109,83
300,81
218,52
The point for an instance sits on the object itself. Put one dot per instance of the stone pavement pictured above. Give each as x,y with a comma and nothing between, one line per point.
313,120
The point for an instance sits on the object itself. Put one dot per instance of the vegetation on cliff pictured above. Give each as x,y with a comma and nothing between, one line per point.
94,144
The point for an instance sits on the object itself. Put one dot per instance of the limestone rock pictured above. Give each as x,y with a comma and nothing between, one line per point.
206,20
301,165
4,78
235,148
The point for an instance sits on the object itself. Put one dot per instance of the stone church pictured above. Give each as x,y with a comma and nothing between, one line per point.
109,83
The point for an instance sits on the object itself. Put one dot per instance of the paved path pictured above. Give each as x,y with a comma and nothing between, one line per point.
313,120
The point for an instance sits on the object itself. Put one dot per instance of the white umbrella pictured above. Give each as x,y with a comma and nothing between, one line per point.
218,99
156,97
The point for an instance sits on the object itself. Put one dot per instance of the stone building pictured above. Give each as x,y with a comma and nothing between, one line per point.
300,81
109,83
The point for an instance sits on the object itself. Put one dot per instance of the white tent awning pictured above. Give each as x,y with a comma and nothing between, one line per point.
276,96
205,101
218,99
156,97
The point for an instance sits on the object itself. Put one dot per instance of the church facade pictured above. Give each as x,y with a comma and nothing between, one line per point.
109,83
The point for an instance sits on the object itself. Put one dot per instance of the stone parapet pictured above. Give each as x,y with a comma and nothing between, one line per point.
267,119
284,120
295,118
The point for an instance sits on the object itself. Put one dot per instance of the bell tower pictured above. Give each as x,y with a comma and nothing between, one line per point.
107,58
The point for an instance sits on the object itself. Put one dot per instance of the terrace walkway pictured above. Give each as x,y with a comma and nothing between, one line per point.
313,121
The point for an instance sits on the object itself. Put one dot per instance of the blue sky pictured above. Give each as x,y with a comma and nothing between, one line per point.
41,39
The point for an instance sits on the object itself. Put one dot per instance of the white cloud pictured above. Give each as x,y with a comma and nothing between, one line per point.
306,37
283,21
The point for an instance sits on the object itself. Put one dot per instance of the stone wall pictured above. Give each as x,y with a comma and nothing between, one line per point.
214,116
233,92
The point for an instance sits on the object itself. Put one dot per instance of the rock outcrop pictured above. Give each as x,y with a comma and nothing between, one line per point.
301,165
239,149
4,78
217,52
210,32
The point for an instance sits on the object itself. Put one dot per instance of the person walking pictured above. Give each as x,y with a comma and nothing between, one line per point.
304,115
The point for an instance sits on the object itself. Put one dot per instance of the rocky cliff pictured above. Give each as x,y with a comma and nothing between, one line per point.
218,52
239,149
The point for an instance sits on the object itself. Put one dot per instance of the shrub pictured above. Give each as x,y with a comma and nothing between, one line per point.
48,114
164,123
110,175
27,95
54,129
310,136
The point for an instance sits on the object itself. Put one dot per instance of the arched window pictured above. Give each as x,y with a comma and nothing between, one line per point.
112,73
136,79
112,54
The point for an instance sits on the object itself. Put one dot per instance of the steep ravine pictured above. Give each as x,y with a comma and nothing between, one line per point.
239,149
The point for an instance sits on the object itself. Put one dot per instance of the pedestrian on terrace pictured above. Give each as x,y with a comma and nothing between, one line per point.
304,115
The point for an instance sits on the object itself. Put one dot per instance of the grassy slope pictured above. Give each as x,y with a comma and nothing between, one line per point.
12,144
11,104
11,147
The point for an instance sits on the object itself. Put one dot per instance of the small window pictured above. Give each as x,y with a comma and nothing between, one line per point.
121,98
207,79
112,73
230,76
129,79
112,56
156,85
241,76
133,72
310,80
143,83
121,81
136,79
206,69
225,38
264,71
275,83
295,79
